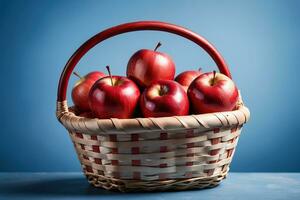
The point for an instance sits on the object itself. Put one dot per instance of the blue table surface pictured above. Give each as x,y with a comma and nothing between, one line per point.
243,186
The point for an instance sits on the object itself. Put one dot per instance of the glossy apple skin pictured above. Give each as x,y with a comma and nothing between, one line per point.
172,102
80,91
147,66
186,78
207,98
114,101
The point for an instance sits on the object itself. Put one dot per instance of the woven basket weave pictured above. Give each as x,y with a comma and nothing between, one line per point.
167,153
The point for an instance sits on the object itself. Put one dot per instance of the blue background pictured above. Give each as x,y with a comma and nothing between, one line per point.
259,40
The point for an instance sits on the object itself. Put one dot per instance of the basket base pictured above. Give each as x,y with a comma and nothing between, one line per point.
159,185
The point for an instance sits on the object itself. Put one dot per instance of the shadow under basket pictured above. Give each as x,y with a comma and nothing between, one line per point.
147,154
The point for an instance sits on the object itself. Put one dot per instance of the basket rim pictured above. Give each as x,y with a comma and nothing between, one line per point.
243,108
205,121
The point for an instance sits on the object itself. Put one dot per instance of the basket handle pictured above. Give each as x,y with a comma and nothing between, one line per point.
136,26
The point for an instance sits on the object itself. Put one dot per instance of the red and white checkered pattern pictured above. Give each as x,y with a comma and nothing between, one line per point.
159,156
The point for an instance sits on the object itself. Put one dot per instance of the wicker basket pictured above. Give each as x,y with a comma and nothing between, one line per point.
167,153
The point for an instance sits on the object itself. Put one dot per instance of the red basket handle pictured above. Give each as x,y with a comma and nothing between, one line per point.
136,26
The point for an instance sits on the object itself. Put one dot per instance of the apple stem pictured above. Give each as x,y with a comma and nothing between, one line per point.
108,69
200,69
214,77
163,90
76,74
157,46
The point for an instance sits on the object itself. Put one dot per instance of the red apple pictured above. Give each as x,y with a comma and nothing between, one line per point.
212,92
81,89
186,78
114,97
164,98
87,115
148,66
